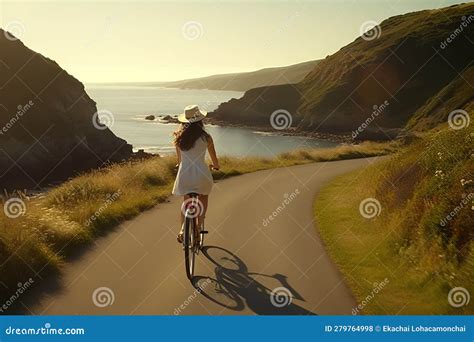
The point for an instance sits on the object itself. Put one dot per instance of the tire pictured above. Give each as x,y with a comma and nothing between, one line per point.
189,252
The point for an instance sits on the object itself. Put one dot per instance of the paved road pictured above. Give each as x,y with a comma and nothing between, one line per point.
138,268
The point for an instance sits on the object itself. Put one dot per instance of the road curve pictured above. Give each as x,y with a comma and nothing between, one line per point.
254,264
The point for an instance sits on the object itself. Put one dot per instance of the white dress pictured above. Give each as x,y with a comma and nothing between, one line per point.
193,173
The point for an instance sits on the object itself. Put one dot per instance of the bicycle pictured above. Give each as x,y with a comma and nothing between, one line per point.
191,244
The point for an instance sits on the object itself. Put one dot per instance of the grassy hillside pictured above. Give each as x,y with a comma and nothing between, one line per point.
419,238
457,94
405,63
247,80
55,224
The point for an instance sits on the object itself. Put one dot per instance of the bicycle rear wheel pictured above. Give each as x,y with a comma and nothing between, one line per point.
189,246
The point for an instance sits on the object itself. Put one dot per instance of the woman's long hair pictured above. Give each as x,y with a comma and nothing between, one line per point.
187,135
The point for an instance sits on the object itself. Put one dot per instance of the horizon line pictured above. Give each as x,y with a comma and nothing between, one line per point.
205,76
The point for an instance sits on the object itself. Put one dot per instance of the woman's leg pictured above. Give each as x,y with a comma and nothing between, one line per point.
204,200
182,209
181,212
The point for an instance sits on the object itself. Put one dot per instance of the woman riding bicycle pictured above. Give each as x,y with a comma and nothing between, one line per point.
191,142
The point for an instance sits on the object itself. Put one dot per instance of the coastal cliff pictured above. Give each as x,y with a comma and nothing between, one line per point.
379,81
49,128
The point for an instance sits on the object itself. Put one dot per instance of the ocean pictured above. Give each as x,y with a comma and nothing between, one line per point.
130,105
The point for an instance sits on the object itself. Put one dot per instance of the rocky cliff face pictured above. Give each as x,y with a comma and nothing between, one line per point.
48,126
256,106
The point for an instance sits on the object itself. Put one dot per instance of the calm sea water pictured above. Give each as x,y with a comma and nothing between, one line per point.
130,105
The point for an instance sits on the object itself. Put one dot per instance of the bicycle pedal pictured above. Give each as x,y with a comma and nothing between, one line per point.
204,232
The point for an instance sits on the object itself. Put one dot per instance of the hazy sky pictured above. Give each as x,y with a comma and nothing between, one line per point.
108,41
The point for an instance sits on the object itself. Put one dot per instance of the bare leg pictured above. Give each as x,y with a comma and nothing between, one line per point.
181,212
204,200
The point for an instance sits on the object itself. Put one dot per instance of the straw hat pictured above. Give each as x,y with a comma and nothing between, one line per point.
191,114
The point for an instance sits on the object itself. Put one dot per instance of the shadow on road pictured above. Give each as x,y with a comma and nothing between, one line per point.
234,287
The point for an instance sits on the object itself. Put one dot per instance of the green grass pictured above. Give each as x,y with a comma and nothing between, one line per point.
406,244
76,212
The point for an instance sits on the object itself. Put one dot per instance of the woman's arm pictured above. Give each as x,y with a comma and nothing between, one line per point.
212,153
178,154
